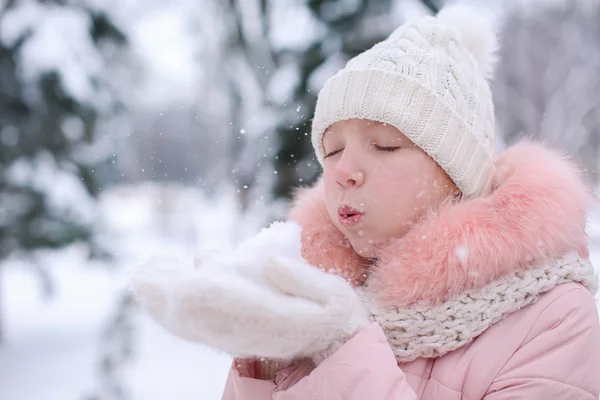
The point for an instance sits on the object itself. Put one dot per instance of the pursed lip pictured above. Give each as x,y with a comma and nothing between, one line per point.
349,216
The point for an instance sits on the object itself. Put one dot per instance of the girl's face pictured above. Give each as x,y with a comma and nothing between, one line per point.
377,182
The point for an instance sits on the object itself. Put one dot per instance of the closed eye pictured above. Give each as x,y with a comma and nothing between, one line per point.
333,153
386,148
381,148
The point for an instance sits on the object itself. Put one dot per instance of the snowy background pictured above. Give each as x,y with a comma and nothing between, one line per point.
130,128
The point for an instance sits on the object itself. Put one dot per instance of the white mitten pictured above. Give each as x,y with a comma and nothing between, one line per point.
341,312
263,304
165,288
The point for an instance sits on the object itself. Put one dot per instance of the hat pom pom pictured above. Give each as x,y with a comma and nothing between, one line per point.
477,31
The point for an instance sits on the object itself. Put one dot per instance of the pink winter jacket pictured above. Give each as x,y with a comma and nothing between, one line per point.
547,350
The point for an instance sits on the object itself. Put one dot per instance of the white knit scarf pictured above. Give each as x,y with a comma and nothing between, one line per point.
432,331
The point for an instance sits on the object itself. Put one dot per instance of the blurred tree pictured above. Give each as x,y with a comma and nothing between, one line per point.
547,85
347,35
118,343
49,127
288,77
433,5
352,27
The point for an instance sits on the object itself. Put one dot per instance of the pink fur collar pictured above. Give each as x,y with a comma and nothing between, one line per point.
535,212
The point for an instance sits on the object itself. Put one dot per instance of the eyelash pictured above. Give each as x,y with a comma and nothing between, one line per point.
390,148
381,148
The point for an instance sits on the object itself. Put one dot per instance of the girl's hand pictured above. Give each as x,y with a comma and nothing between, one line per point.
300,311
268,306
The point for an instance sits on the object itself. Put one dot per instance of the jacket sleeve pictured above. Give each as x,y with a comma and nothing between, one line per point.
364,367
560,357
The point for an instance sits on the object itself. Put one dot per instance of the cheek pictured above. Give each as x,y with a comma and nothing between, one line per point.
330,187
329,184
425,177
328,177
412,188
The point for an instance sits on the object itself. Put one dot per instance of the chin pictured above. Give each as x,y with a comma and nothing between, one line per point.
365,250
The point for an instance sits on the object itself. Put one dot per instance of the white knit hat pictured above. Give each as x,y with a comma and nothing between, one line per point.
429,80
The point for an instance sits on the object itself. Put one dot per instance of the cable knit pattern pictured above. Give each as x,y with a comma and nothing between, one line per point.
429,332
426,81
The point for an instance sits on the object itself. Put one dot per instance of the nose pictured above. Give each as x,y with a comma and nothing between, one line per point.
348,172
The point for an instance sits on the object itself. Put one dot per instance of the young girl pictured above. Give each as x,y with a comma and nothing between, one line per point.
420,266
